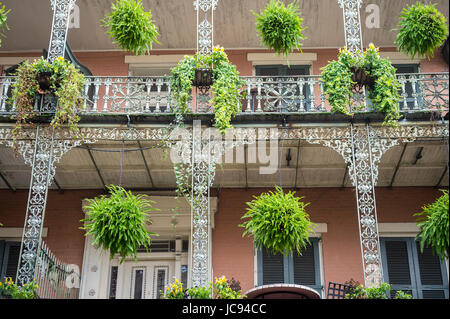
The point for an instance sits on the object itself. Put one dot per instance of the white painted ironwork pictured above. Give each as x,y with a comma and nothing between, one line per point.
205,25
42,158
60,25
352,24
287,94
55,279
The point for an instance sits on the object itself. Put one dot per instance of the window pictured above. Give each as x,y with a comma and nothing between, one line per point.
289,96
160,280
113,282
406,268
406,69
9,259
292,269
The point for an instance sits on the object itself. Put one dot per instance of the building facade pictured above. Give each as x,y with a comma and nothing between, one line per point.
358,175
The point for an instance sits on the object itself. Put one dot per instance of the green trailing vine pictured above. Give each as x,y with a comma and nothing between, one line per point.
60,78
131,26
226,95
433,223
118,222
422,29
278,221
339,82
3,21
280,27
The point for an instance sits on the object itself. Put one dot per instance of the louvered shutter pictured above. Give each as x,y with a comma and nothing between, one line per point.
421,274
304,267
272,268
430,273
398,263
10,260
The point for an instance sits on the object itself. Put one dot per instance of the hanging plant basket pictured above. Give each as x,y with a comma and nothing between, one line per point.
280,27
203,77
118,222
131,27
44,81
362,78
342,78
278,221
213,70
422,30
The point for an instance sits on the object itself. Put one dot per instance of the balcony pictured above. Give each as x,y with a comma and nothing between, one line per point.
262,95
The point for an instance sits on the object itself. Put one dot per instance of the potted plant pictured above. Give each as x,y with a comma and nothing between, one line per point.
60,79
3,21
280,27
278,221
224,80
422,30
131,27
118,222
381,292
433,223
10,290
341,78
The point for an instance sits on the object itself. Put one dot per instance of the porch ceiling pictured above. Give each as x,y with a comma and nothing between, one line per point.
176,19
310,166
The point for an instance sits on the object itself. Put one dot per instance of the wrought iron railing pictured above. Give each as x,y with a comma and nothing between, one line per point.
55,279
261,94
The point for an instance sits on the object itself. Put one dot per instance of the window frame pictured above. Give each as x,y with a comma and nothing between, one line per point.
416,286
288,267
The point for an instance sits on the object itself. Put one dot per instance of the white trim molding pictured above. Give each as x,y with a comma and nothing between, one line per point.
13,60
397,229
398,57
16,232
153,61
271,58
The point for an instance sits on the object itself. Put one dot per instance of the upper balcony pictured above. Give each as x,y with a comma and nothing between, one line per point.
423,96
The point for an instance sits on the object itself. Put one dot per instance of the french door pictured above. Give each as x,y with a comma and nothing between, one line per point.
146,279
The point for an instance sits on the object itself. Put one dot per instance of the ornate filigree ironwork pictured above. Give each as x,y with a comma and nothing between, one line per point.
205,28
352,24
61,15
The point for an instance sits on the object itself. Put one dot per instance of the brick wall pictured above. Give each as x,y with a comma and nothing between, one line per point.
233,255
62,217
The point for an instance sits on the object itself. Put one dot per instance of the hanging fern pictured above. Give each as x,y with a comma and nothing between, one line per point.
433,223
131,26
422,29
280,27
278,221
118,222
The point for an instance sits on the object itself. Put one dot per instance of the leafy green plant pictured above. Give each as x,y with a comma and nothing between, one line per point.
222,290
280,27
131,26
433,223
118,222
422,29
174,291
3,21
10,289
339,83
225,89
65,81
402,295
278,221
200,293
381,292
